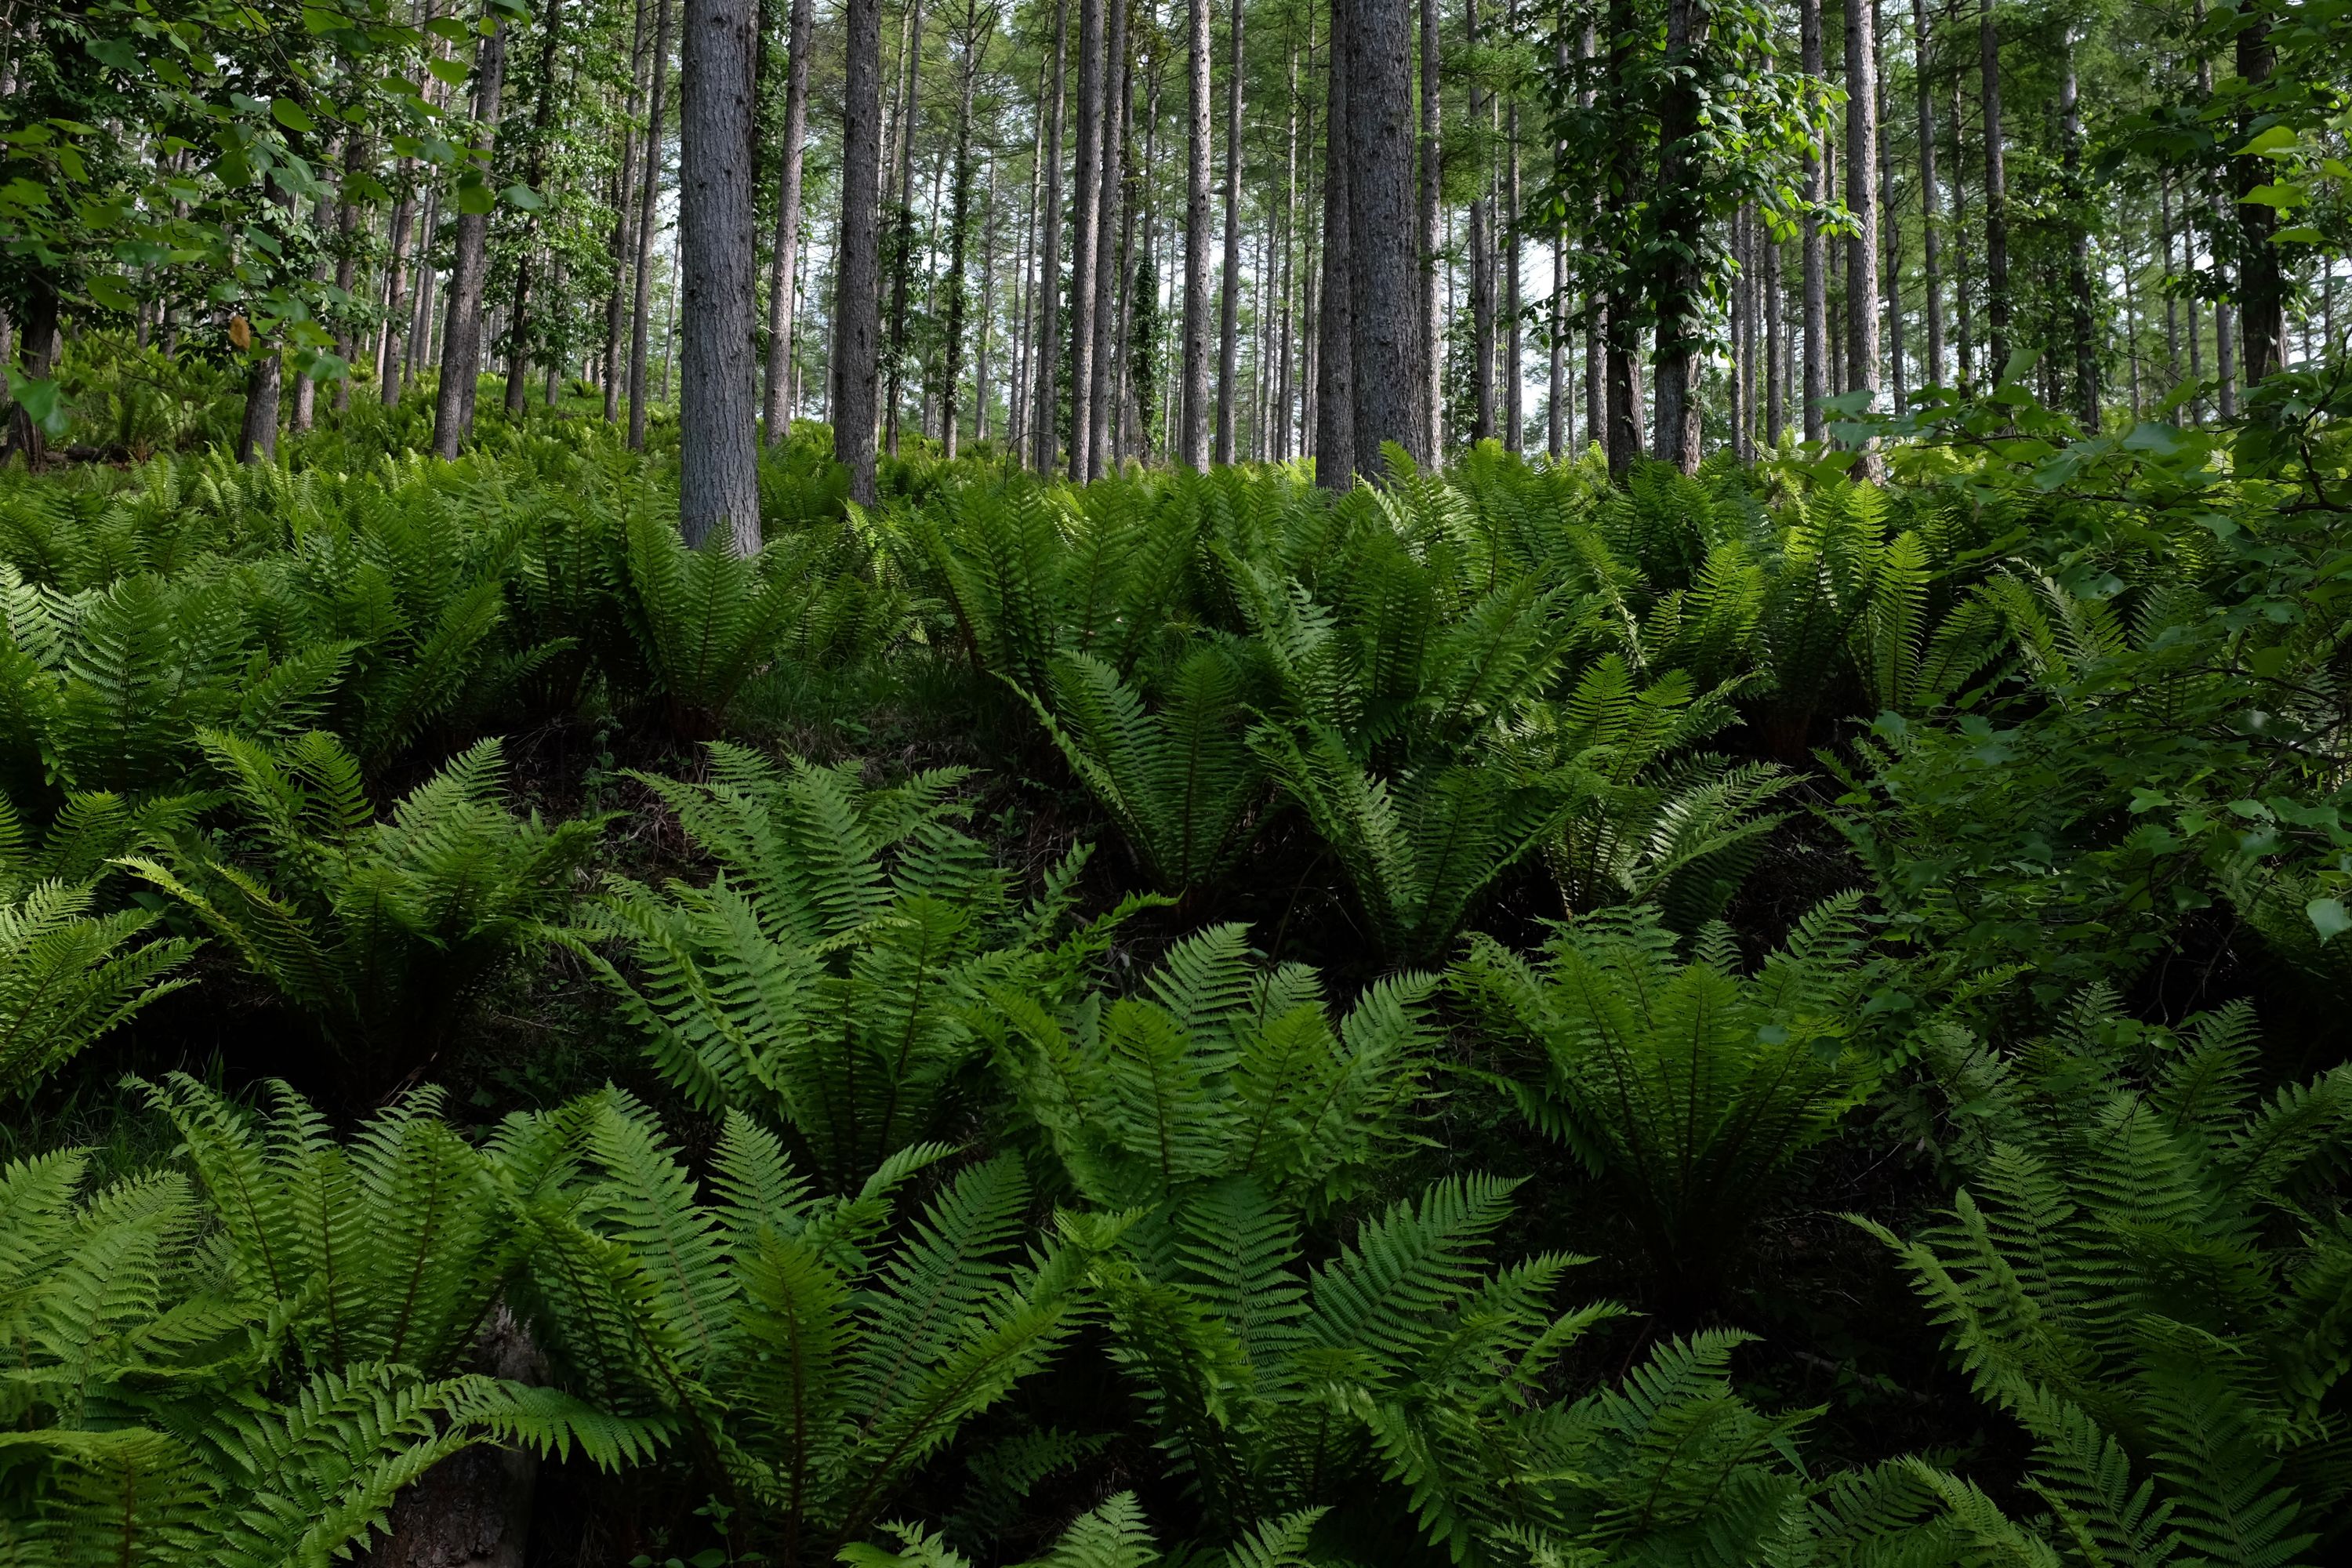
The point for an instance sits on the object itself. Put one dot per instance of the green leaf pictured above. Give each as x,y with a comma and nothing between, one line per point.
522,196
2327,917
454,72
109,291
290,114
2277,139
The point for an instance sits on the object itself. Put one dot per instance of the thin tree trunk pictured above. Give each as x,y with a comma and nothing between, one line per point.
1384,260
1963,296
1085,213
1816,280
624,248
1335,415
2171,301
1049,257
1432,179
959,225
392,355
2261,285
775,413
1776,345
648,214
901,219
856,306
1890,226
979,353
2078,250
542,116
347,259
1102,384
1196,241
1513,380
1862,302
1681,220
1996,184
1930,248
461,337
1229,313
1481,259
1596,394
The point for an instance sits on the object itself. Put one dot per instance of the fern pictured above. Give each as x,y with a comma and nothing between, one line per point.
68,975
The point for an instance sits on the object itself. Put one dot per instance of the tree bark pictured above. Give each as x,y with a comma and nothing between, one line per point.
1681,222
1195,446
1930,250
1432,181
1102,386
856,307
2078,248
901,219
1996,186
1862,302
257,436
347,259
1775,342
648,212
2262,284
542,117
461,336
1816,280
1514,382
1335,415
1229,310
1384,329
719,455
775,412
624,229
394,348
958,227
1890,226
1042,402
1085,227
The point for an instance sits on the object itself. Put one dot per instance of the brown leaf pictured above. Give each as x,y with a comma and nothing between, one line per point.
239,332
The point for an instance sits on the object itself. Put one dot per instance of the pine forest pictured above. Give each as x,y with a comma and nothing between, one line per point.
1176,784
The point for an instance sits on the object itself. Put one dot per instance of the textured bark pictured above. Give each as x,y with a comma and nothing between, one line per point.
1104,373
1384,329
775,402
1433,178
1861,304
718,462
1930,249
1481,253
1515,383
856,311
1228,307
1964,367
1816,280
1335,415
901,221
1049,259
648,211
1681,222
1996,187
1775,307
2078,250
624,226
1085,226
461,335
1194,446
1596,395
472,1510
347,259
257,436
958,230
392,347
1890,227
2262,284
542,117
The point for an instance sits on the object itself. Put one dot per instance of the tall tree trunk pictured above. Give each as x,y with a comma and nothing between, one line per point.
959,227
901,251
856,309
982,361
1384,263
1622,419
1017,398
1862,367
393,354
1996,187
1103,376
1433,184
461,337
2078,250
1286,381
2261,285
1681,225
1930,249
1596,394
1963,296
1514,345
2172,299
1084,229
1482,247
347,259
1197,176
1890,226
1814,244
775,412
649,216
542,116
257,436
719,452
1049,257
1776,344
1229,304
624,248
1335,412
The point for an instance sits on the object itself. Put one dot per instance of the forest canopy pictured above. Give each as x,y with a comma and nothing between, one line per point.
936,783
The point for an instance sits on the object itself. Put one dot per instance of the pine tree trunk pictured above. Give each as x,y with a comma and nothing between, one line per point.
1623,417
347,259
1930,249
1514,344
1229,303
1041,406
542,116
1384,329
718,462
624,220
1086,216
1963,294
1862,304
775,412
1433,183
900,259
1996,188
959,227
393,347
1596,394
1890,226
461,337
856,311
1102,376
1816,278
648,214
2078,251
257,436
1195,400
1681,224
2261,285
1334,415
1776,346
